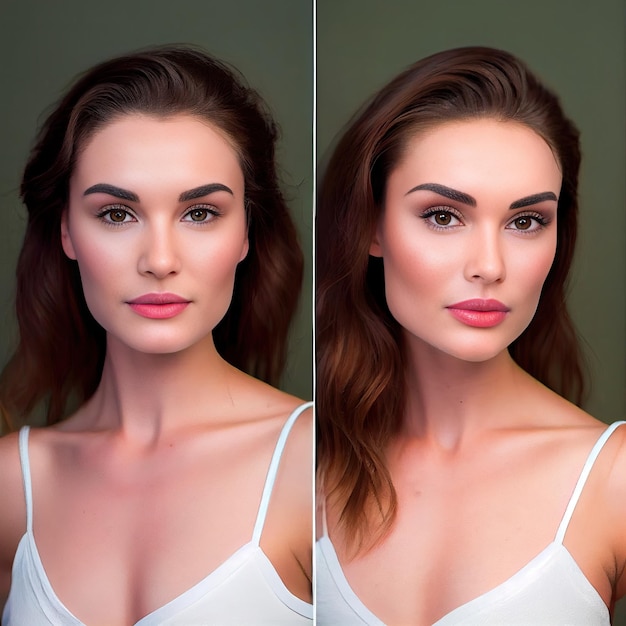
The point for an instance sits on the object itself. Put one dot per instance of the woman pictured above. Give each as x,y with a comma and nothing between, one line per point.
159,262
451,464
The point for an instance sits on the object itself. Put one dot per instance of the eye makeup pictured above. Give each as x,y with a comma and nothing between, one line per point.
447,218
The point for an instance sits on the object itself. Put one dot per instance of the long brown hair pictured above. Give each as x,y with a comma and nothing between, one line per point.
61,347
360,372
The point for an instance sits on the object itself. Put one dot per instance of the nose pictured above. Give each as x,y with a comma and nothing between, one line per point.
485,258
159,254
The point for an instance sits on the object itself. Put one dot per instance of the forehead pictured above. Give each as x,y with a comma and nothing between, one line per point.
136,146
469,155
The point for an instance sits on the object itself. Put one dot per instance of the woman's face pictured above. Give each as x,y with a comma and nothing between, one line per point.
468,234
157,224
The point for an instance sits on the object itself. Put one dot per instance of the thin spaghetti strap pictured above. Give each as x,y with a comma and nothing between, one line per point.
591,459
25,464
273,470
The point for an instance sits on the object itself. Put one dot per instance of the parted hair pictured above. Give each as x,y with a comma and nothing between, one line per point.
360,362
61,347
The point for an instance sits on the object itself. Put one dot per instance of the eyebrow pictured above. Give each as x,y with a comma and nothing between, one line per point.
112,190
125,194
446,192
534,199
464,198
204,190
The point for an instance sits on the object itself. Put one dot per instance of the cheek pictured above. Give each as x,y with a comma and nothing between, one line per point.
530,269
213,265
100,262
102,273
417,264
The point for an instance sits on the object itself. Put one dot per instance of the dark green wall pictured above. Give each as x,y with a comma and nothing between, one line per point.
45,44
578,48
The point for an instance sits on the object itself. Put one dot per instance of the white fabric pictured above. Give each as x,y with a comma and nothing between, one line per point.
550,590
244,590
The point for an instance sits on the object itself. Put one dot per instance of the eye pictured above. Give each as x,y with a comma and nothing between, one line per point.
201,214
441,218
528,223
116,215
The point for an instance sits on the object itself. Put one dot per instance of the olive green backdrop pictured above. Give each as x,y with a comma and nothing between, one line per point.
578,48
43,45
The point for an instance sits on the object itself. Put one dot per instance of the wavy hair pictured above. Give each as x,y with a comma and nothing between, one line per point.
61,347
360,365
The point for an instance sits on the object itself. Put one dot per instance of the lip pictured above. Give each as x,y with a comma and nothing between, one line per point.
158,298
478,304
158,305
479,313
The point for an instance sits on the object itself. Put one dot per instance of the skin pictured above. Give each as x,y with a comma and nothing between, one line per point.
473,417
127,481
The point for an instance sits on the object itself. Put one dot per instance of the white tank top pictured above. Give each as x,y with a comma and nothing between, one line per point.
244,590
550,590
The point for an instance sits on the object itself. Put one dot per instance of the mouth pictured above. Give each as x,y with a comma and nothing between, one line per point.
158,305
479,313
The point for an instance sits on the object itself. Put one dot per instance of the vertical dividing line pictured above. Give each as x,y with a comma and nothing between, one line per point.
314,173
314,233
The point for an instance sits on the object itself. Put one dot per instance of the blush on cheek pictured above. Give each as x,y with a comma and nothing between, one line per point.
540,269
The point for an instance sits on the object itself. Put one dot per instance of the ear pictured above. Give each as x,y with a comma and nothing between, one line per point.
245,249
375,247
66,239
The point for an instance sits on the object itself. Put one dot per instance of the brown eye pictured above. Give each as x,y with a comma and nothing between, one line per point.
201,214
523,223
198,215
443,219
117,215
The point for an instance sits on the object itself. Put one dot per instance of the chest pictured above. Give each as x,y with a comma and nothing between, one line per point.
465,533
118,541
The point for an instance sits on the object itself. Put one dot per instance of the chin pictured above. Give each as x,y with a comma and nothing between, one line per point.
479,347
157,343
483,347
478,355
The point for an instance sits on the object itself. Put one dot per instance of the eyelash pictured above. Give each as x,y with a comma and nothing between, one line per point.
106,213
541,220
211,211
431,212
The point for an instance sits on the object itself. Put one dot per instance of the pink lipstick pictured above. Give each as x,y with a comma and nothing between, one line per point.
158,306
479,313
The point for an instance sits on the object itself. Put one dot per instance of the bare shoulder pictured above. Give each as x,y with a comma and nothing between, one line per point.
299,446
255,398
289,528
276,408
570,435
617,462
297,423
557,415
13,509
291,514
614,463
606,488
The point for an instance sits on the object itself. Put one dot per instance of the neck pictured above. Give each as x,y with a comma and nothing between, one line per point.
142,395
449,400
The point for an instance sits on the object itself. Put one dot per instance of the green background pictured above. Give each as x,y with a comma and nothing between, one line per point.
578,48
44,45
